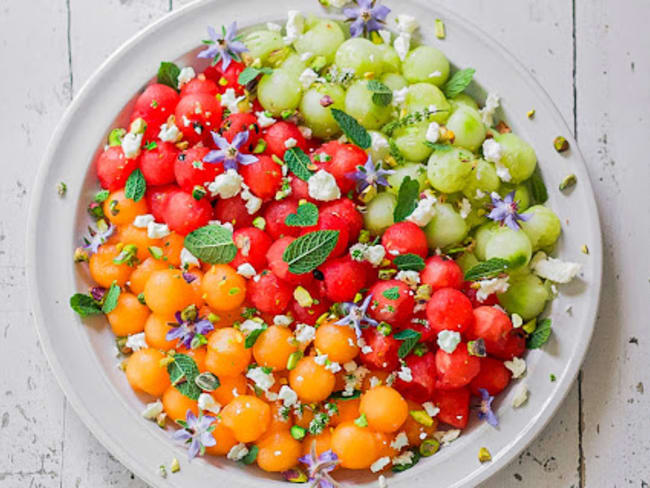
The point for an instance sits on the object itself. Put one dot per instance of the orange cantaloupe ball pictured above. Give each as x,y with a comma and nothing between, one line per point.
227,353
145,372
248,417
176,405
104,271
355,446
278,451
337,341
167,292
121,210
311,381
273,347
385,408
223,288
129,315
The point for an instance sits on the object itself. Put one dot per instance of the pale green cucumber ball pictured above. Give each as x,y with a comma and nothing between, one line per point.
448,171
482,178
322,39
293,65
279,91
379,150
361,56
466,261
261,43
379,213
411,141
359,104
509,244
426,64
517,155
446,228
318,118
464,100
543,227
423,96
525,296
415,170
390,58
393,81
468,128
482,236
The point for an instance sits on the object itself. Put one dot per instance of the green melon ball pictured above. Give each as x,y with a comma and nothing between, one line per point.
468,128
448,171
426,64
293,65
526,296
393,81
390,59
422,96
318,118
543,226
511,245
279,91
481,236
482,181
359,104
261,43
360,56
517,155
323,38
379,213
416,171
411,142
446,228
463,100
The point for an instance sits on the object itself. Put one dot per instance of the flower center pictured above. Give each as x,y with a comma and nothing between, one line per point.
366,15
232,152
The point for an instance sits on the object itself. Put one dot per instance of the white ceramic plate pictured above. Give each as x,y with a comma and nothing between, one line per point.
82,353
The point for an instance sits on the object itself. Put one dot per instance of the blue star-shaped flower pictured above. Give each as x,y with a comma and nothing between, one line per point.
186,330
485,408
225,47
197,432
366,16
370,174
228,153
506,211
357,315
320,467
97,238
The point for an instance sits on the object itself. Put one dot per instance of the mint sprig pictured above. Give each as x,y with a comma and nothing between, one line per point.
250,73
353,130
407,198
298,163
308,252
111,298
381,94
458,82
85,305
168,74
182,374
409,262
411,338
306,215
540,335
391,293
487,269
211,244
136,186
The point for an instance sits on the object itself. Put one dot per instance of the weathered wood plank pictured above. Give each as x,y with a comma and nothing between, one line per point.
613,121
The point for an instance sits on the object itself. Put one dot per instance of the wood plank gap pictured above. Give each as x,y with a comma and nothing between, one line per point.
69,41
575,69
581,454
65,409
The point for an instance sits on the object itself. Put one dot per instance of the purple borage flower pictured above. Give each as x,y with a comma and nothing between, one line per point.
370,174
197,432
367,16
189,333
356,315
226,47
505,211
485,408
320,467
228,153
97,238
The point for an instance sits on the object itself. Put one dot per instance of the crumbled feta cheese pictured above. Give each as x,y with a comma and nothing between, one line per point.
386,36
142,221
264,119
379,144
381,481
305,131
487,112
246,270
237,452
157,231
333,367
479,194
135,342
322,186
465,208
375,254
226,225
169,132
448,340
295,26
273,27
209,404
288,396
424,212
282,320
521,395
399,96
490,286
446,437
433,132
374,381
305,333
226,185
291,142
262,380
430,409
503,172
405,458
516,320
350,366
230,100
400,441
131,144
492,150
402,45
556,270
248,326
517,367
410,277
186,75
188,259
379,464
253,203
307,78
406,23
405,374
321,359
152,410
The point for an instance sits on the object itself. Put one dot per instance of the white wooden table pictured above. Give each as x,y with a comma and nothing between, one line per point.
593,58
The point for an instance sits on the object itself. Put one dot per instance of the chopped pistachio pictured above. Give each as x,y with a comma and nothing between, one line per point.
386,274
584,249
213,317
484,455
61,189
161,420
477,348
429,447
376,38
302,296
422,417
364,236
199,192
530,326
439,29
138,126
531,113
182,145
156,252
503,128
384,328
115,137
362,421
367,194
176,466
298,432
553,378
295,475
80,255
190,313
560,144
423,292
260,147
568,182
162,471
318,63
287,114
294,357
141,299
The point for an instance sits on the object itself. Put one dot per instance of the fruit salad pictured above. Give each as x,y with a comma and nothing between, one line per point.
317,251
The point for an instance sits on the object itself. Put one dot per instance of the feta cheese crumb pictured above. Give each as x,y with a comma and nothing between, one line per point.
403,459
131,144
379,464
273,27
402,45
424,212
142,221
521,395
430,409
188,259
291,142
382,481
406,23
333,367
209,404
556,270
246,270
186,75
487,112
226,185
288,396
410,277
230,100
400,441
385,34
237,452
295,26
405,374
152,410
282,320
253,203
363,252
517,367
306,132
264,119
307,78
169,132
490,286
399,96
248,326
492,150
465,208
157,231
503,172
305,333
262,380
516,320
433,132
322,186
446,437
448,340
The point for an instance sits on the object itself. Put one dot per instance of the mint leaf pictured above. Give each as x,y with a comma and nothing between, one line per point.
308,252
251,338
537,187
540,335
381,94
391,293
251,456
298,163
136,186
354,131
437,146
183,372
487,268
409,262
410,338
168,74
211,244
250,73
305,216
407,199
101,196
110,300
84,305
458,82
